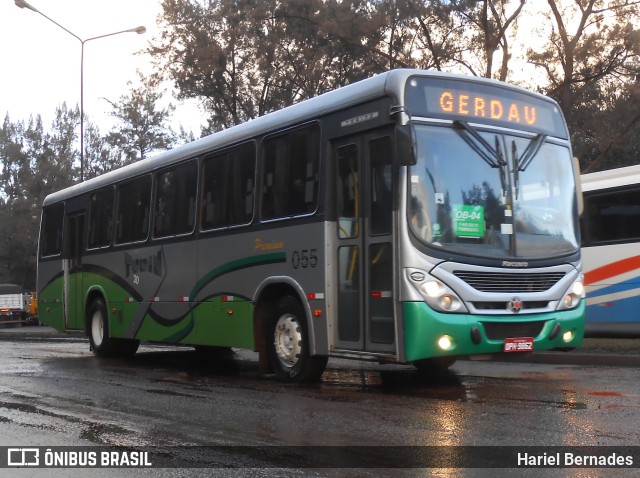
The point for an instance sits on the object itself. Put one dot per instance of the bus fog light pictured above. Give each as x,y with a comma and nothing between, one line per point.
445,342
567,336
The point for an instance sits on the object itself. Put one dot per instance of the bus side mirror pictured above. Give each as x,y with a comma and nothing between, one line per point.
578,181
405,145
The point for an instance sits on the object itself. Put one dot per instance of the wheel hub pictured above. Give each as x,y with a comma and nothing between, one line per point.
97,328
288,340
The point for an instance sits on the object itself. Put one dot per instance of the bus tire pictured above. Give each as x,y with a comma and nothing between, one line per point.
288,344
101,343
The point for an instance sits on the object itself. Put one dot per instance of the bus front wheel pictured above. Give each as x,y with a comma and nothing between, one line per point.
288,345
102,344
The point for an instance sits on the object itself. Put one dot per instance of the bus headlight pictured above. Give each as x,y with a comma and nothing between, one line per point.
573,296
440,297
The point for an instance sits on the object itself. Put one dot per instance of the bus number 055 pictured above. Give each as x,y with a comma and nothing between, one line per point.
304,259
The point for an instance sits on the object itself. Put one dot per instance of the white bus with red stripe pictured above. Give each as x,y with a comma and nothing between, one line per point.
611,251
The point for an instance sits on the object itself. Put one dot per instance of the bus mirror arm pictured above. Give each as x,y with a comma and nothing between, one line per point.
405,145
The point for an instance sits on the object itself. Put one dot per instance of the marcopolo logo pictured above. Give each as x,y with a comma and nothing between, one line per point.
515,305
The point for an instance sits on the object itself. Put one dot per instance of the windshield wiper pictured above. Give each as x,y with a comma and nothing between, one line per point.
521,164
532,149
516,168
493,157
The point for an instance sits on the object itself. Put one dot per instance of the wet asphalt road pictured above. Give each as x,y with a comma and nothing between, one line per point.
53,392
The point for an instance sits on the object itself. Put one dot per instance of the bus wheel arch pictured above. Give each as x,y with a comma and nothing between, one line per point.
97,328
283,335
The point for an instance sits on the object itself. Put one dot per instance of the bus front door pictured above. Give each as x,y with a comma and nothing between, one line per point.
72,265
364,253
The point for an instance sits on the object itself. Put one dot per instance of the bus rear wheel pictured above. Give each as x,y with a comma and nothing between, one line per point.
288,345
102,344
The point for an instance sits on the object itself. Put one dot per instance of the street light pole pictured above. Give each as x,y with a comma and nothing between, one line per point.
139,30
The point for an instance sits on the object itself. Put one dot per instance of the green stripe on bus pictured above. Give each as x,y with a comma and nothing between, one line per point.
273,258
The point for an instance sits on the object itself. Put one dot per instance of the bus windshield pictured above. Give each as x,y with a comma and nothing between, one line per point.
492,194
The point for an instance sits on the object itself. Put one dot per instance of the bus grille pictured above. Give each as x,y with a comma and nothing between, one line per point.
526,304
509,282
501,330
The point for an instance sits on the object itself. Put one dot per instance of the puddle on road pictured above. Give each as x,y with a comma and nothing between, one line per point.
446,386
33,416
183,372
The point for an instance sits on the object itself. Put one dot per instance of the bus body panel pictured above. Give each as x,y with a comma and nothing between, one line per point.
51,293
612,276
208,297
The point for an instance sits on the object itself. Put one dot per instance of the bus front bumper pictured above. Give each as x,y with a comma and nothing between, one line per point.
433,334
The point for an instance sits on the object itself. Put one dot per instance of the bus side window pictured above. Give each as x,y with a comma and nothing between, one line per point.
175,200
241,184
100,219
348,191
612,216
52,220
228,187
290,174
213,191
381,194
134,204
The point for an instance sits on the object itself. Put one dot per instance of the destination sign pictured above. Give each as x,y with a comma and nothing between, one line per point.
483,103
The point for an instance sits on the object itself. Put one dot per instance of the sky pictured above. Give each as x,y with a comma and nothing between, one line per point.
41,61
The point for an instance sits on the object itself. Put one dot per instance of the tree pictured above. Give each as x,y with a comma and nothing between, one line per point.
243,59
99,158
593,44
142,125
491,21
34,164
58,165
185,136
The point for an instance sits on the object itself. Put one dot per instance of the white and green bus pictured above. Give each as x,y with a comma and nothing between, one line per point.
412,217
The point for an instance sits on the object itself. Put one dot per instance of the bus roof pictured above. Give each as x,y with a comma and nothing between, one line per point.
611,178
389,83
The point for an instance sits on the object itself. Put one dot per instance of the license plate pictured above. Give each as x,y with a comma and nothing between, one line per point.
518,344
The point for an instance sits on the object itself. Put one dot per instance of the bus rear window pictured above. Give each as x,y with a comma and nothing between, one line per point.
51,234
